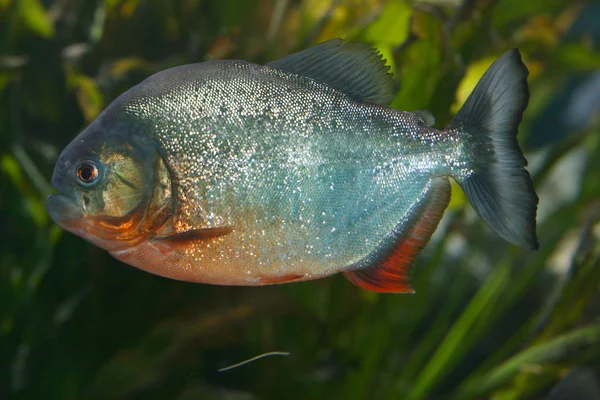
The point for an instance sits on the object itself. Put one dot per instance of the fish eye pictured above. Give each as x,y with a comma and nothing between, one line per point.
87,173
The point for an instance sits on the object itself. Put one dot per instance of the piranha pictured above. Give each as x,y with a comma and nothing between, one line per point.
233,173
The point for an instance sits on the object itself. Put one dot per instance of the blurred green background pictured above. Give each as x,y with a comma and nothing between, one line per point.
488,320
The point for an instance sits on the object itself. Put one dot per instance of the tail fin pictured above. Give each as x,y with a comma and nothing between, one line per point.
499,188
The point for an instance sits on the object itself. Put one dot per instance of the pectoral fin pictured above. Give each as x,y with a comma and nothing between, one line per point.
388,267
183,239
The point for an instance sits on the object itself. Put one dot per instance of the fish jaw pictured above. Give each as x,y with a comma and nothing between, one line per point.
70,216
65,212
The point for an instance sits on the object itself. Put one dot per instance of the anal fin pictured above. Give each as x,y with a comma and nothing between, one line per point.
387,268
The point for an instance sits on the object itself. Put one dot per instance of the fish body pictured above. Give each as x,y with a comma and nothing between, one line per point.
233,173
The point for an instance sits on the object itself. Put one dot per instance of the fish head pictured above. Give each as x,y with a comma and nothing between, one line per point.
114,188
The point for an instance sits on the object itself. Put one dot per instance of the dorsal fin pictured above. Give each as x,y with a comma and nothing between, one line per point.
356,69
388,267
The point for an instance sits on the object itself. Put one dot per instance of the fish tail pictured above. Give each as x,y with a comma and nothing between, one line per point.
498,186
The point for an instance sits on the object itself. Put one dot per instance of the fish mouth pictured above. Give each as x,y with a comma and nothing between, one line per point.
65,211
70,216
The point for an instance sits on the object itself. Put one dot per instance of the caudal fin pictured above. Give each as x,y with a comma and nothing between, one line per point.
499,188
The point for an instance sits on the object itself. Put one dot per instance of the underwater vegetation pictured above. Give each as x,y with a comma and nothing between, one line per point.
488,319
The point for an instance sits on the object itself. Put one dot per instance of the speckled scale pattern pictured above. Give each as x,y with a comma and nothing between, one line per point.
310,179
